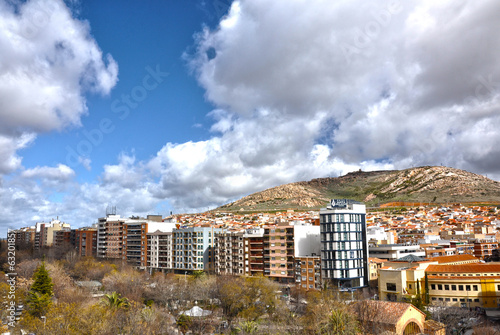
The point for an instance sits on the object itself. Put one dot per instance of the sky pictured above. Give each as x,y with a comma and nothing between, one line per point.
184,105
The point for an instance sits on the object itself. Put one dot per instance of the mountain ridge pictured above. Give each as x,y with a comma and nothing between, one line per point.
426,184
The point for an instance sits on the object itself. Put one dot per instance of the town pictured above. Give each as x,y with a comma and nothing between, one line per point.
389,254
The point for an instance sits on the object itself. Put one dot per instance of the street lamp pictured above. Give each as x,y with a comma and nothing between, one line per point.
44,318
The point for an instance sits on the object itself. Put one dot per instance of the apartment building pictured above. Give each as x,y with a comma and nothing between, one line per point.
159,251
192,248
462,247
86,241
110,236
64,238
44,232
254,247
230,253
25,238
344,245
308,272
127,238
283,243
484,248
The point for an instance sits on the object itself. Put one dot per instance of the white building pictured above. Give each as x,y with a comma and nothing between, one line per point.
396,251
192,248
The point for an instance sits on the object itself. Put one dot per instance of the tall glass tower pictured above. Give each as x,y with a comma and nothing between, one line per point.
344,246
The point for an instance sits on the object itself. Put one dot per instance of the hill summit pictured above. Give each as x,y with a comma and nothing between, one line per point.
428,184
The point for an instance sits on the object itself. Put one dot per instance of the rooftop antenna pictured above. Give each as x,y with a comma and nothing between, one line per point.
110,210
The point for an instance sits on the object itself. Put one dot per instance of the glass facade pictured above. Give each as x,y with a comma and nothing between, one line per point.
344,247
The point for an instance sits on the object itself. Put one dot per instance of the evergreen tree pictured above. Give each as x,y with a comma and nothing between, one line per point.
426,300
40,294
42,281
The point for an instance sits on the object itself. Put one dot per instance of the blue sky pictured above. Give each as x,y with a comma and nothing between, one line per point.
138,37
182,106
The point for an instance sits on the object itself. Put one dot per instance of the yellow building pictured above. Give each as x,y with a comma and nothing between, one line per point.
465,285
398,279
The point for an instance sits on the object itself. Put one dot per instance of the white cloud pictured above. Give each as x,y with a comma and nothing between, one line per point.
9,160
341,86
302,89
61,173
48,61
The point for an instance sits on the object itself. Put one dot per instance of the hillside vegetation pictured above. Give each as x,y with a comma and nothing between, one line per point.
429,184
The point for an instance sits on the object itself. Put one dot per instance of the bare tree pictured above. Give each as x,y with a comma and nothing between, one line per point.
456,319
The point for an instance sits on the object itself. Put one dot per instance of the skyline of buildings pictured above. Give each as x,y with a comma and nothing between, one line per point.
339,246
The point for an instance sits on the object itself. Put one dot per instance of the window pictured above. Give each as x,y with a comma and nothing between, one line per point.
453,287
460,287
474,287
455,299
447,287
440,287
433,286
391,287
467,287
409,286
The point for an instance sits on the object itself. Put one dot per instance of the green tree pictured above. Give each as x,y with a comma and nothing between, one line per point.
40,293
42,282
248,327
114,301
340,322
426,297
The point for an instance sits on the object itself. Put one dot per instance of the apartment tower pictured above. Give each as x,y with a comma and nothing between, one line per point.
344,245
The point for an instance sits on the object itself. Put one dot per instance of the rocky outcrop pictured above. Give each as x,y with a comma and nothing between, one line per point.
421,184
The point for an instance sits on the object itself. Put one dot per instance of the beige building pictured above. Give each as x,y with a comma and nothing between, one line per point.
398,279
465,285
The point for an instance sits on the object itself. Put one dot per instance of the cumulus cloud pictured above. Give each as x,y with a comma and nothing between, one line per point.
48,61
301,90
9,160
342,85
61,172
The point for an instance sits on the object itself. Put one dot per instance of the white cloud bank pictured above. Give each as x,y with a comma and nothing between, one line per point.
48,60
311,89
303,89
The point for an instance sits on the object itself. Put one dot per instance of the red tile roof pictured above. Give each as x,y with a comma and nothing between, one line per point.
454,258
465,268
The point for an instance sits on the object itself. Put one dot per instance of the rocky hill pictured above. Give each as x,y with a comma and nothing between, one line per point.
429,184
